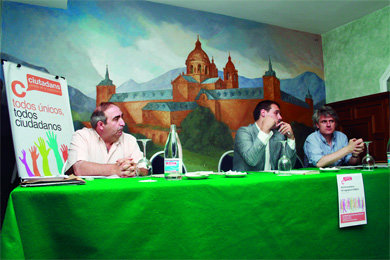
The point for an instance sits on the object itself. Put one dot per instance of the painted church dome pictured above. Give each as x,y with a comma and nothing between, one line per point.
230,65
198,55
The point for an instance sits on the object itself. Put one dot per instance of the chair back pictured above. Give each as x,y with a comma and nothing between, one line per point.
298,163
226,161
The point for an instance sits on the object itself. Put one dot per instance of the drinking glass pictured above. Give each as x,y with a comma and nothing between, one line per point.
368,161
144,166
284,163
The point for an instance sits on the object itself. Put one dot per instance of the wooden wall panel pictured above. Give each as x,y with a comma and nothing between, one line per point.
368,118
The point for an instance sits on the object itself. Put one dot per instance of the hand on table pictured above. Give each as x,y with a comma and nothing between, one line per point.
126,167
357,146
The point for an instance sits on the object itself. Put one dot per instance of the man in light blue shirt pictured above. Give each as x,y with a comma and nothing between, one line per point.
327,147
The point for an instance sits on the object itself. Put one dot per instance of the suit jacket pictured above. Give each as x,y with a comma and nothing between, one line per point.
249,151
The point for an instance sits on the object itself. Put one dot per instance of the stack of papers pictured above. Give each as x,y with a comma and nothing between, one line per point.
51,180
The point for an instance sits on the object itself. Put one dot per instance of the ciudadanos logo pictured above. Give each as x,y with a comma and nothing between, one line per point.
38,84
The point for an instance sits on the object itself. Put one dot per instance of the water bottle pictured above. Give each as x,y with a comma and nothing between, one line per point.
388,154
173,159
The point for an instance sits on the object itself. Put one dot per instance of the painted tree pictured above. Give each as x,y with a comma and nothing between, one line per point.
202,132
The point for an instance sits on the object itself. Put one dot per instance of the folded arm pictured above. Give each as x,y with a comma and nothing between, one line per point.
333,157
354,146
123,168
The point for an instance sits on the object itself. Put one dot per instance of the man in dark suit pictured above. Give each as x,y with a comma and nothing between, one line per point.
257,146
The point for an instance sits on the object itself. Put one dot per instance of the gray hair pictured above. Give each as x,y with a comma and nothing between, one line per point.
324,111
98,114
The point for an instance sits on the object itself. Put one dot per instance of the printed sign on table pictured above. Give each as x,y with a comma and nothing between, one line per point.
41,120
352,203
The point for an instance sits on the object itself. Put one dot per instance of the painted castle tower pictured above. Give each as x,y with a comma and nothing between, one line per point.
105,89
152,112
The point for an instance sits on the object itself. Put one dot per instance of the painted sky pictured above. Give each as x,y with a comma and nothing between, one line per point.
141,40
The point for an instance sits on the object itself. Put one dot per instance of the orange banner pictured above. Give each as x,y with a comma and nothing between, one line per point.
43,85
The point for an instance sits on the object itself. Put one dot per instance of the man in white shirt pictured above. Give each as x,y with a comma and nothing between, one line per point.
103,149
257,146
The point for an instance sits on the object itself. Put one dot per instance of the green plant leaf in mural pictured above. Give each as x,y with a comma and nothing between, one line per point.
201,132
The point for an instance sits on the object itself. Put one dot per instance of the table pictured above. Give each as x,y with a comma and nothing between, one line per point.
259,216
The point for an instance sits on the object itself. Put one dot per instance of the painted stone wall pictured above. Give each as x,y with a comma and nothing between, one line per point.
356,55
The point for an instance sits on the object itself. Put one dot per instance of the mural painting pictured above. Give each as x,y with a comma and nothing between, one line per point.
200,85
98,45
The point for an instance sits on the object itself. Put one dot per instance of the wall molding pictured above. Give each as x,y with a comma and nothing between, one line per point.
383,80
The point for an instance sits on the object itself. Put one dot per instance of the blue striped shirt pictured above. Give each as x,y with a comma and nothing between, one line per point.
316,147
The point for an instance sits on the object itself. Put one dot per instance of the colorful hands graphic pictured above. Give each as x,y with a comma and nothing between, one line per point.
64,150
351,204
44,153
52,142
34,157
24,161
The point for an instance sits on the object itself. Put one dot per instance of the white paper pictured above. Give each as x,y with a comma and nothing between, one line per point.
352,202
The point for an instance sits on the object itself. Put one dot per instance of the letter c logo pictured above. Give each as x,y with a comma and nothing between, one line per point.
13,85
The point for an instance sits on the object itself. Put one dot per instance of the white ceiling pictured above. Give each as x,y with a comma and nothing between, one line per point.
315,16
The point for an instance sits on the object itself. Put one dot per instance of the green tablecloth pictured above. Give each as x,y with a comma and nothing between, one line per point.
258,216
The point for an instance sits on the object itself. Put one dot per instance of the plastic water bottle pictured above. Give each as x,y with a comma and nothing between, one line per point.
173,159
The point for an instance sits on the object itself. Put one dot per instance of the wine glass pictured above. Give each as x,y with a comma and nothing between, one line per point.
368,161
284,163
144,166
